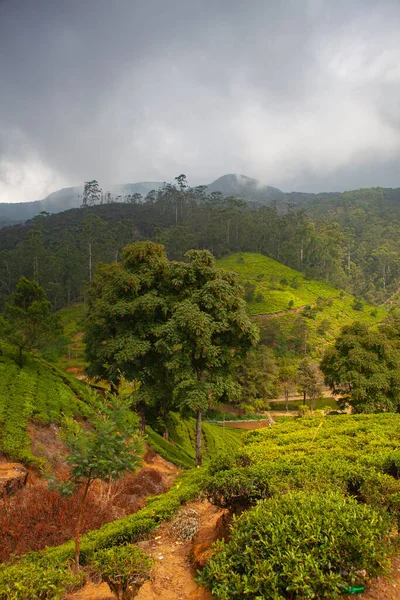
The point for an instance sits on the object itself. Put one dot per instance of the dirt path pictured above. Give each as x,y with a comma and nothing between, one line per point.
292,311
172,575
385,589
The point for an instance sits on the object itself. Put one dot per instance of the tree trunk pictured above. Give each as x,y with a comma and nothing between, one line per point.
90,261
198,438
79,526
142,417
166,434
287,400
304,397
20,358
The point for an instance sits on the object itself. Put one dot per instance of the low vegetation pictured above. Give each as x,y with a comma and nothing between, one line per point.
329,491
51,566
36,392
301,545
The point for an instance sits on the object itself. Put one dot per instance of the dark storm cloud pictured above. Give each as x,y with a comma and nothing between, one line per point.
301,94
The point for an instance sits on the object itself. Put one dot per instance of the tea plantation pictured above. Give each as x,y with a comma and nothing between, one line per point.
36,392
326,497
274,288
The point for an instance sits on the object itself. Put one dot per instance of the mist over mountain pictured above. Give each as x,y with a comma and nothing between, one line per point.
251,190
71,197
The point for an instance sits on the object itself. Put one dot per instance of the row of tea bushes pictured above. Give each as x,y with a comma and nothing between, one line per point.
321,498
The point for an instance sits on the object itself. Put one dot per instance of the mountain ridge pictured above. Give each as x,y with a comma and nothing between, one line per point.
71,197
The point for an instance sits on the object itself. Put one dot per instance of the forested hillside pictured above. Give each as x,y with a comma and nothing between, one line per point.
354,245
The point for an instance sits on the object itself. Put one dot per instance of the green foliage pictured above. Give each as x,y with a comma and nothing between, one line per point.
358,304
174,454
177,328
105,451
299,546
363,367
124,568
337,306
309,381
25,581
356,455
109,448
257,374
36,392
28,323
182,433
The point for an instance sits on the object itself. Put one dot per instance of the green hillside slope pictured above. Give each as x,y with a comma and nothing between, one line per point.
279,289
37,393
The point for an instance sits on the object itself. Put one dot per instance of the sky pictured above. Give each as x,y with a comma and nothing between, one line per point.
300,94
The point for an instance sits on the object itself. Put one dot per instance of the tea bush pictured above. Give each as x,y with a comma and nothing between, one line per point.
24,581
36,392
299,546
124,568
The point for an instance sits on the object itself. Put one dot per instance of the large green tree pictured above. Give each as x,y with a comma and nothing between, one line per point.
178,326
126,304
363,368
28,322
206,335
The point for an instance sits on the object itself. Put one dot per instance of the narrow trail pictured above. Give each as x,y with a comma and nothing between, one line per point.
173,574
290,311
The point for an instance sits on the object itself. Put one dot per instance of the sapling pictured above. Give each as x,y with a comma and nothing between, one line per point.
110,446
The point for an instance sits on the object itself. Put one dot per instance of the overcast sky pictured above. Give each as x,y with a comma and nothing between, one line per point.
300,94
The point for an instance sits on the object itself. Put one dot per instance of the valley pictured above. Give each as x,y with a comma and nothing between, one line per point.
267,432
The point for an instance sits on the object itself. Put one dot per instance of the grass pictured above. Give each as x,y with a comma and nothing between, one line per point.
295,404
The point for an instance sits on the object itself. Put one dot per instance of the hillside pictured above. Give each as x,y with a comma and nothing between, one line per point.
245,187
277,290
38,395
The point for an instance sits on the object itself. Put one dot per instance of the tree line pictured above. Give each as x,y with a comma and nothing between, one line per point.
358,252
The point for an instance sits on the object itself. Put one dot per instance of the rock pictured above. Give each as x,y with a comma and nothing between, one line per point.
214,528
13,476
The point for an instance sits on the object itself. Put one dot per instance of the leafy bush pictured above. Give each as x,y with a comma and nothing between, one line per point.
124,568
249,291
299,546
358,304
24,581
239,487
221,462
310,312
37,392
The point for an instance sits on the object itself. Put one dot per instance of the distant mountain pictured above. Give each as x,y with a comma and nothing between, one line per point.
64,199
253,191
245,187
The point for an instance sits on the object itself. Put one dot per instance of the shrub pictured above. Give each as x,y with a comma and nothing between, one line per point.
249,291
221,462
358,304
124,568
295,283
299,546
309,312
304,411
238,488
24,581
323,326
